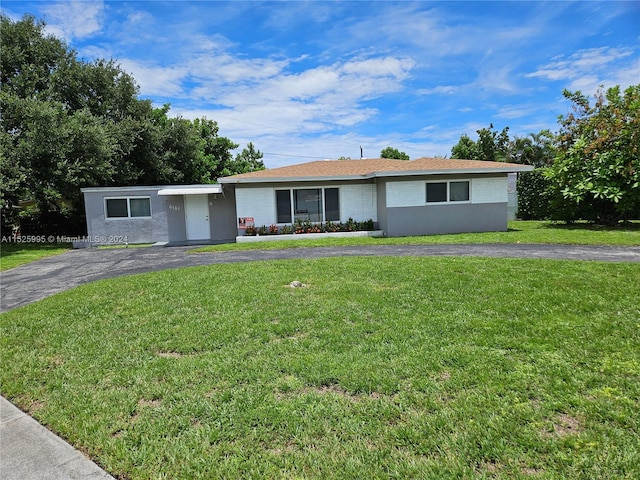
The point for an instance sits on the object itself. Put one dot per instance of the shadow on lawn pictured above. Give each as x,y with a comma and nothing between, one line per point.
10,249
633,226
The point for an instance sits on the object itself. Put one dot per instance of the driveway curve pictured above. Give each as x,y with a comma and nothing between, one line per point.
31,282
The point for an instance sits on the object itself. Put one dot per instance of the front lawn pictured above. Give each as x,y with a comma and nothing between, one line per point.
378,368
518,232
15,254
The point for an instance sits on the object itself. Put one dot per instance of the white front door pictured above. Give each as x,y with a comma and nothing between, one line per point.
196,211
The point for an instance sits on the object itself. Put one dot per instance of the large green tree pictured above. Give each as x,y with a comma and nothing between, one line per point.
68,124
390,152
597,167
491,146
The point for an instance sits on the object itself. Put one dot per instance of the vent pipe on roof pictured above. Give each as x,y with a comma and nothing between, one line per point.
361,154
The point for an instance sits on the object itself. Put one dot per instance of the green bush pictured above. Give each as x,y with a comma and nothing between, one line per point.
534,197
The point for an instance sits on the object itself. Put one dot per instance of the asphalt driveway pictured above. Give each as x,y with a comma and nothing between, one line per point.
31,282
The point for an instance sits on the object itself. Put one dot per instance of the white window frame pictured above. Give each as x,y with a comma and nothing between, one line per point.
292,201
128,199
448,200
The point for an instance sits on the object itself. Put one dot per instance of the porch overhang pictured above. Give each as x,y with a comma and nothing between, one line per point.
190,190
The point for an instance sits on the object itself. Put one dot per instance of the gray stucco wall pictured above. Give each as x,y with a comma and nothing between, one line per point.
103,230
381,192
437,219
223,215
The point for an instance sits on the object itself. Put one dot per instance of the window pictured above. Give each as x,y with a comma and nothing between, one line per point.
308,204
459,191
128,207
446,192
436,192
331,205
283,206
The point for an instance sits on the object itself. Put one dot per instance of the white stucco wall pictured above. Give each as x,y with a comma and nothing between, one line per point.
408,193
357,201
259,203
489,190
412,193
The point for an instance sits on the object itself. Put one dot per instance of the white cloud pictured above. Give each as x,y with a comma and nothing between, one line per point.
155,80
267,92
439,90
73,19
588,69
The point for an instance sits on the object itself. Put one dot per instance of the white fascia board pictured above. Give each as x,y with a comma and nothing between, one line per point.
293,179
149,187
453,171
118,189
190,190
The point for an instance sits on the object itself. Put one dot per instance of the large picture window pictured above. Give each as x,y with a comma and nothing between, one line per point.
448,192
127,207
308,204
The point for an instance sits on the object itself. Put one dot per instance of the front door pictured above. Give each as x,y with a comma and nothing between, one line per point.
196,211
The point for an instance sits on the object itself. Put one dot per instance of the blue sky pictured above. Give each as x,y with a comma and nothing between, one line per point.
316,80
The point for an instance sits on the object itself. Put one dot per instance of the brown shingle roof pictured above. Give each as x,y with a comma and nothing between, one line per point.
339,169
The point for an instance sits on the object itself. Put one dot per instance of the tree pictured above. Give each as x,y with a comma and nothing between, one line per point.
465,149
249,160
490,146
597,167
68,124
390,152
536,149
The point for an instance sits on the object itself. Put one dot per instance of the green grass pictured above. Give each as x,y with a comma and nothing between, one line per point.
15,254
379,368
518,232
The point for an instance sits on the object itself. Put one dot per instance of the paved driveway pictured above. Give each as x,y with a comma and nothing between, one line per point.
34,281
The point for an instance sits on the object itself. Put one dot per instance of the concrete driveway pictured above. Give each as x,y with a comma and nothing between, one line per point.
34,281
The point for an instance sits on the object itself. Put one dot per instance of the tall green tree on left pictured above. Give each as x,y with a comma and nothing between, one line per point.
68,124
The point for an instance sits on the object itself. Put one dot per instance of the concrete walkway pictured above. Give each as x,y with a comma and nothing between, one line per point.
29,451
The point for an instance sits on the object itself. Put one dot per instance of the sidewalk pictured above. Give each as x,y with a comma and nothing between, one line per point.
29,451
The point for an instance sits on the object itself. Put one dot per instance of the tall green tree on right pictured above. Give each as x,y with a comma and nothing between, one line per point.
596,172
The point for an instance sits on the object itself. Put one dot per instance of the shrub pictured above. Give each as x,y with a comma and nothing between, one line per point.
533,195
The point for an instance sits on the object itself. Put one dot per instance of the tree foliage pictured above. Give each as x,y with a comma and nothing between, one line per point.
390,152
597,167
496,146
68,124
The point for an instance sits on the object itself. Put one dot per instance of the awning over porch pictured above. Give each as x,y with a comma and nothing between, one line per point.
187,190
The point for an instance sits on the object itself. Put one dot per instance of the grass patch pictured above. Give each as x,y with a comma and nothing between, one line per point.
518,232
14,254
378,368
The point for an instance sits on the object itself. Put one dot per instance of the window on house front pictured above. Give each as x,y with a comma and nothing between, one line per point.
308,204
436,192
283,206
331,205
128,207
459,191
445,192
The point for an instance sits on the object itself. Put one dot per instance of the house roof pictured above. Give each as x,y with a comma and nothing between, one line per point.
372,168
